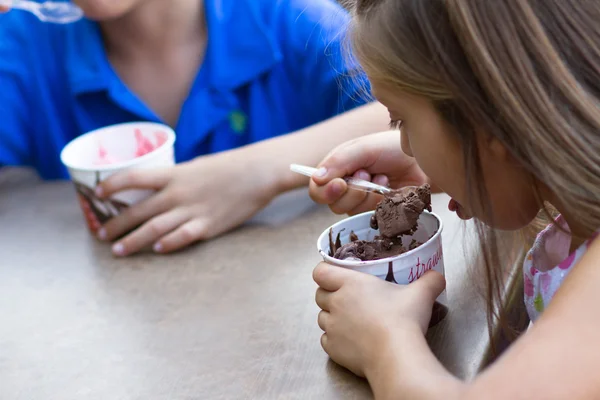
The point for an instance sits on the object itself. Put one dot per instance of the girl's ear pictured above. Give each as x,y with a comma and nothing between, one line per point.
493,147
498,149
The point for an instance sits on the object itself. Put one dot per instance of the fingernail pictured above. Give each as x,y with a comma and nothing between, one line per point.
321,172
118,249
102,234
99,192
364,175
158,248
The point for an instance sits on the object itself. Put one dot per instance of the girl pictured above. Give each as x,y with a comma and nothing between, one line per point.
499,104
224,73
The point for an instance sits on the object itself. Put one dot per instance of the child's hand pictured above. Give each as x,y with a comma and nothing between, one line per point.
194,201
4,9
367,320
376,158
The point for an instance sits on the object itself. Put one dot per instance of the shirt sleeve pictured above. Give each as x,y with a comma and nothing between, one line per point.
315,42
15,149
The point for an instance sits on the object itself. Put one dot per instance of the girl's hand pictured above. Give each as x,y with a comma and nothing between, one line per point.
194,201
368,321
377,158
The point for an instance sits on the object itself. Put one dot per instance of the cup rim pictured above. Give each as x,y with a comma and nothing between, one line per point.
350,263
171,138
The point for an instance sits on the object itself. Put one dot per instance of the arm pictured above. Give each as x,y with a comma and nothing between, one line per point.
309,146
186,209
557,359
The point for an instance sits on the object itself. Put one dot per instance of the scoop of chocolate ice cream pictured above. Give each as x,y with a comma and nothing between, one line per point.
398,213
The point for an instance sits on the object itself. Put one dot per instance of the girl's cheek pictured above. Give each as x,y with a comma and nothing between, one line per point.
405,143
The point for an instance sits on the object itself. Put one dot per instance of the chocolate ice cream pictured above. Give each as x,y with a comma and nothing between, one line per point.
396,215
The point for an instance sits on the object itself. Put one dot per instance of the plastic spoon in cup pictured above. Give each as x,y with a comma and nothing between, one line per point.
354,183
49,11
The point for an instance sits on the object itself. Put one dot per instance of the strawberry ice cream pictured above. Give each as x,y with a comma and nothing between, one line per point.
144,146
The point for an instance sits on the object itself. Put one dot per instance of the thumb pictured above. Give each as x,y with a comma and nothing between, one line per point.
431,285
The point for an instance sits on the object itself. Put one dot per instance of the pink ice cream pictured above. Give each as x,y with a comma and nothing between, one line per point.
144,146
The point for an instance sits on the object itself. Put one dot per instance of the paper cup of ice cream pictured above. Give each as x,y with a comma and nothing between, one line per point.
420,252
96,155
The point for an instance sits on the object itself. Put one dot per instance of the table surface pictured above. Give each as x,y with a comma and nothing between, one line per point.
231,318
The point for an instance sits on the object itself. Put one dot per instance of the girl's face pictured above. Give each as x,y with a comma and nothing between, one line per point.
103,10
438,151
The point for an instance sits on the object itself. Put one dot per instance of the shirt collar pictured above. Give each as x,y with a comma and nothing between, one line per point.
241,47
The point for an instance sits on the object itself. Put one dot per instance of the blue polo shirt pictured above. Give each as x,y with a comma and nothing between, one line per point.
271,67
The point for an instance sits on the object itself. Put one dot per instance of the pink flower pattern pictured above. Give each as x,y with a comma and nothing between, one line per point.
542,274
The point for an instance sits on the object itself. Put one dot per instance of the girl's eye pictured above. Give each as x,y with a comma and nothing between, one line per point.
395,124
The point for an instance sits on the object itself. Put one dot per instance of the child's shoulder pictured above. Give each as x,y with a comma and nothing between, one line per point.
25,40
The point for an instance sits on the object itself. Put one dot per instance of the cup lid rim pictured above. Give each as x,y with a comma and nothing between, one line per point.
171,138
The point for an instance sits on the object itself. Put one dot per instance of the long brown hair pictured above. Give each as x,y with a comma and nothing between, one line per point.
525,71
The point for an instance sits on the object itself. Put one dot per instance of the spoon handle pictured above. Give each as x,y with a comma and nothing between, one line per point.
58,12
354,183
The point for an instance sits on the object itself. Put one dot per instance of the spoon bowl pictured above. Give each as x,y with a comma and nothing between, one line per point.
56,12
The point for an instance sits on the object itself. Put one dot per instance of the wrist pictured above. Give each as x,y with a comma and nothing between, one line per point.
403,366
270,162
384,371
257,166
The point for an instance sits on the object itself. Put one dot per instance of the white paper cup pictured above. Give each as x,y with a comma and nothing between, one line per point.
402,269
87,168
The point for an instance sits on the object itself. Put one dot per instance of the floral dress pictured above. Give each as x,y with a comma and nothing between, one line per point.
547,265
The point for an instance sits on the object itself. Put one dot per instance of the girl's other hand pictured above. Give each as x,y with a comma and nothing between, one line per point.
194,201
377,158
368,321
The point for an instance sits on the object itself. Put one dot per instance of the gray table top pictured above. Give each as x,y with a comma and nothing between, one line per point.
232,318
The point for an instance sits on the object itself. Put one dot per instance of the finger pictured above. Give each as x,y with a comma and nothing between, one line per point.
331,278
368,204
352,198
382,180
133,217
324,343
371,199
150,232
188,233
134,179
4,9
431,284
323,320
323,299
329,193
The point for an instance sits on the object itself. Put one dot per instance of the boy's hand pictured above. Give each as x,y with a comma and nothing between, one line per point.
194,201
